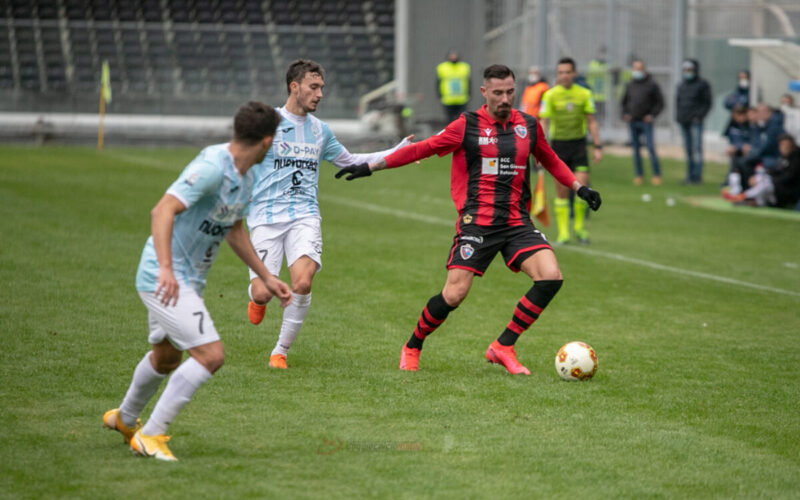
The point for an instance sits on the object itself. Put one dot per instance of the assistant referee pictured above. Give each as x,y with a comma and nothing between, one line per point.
569,110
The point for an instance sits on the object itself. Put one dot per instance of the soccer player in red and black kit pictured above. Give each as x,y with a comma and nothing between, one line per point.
490,185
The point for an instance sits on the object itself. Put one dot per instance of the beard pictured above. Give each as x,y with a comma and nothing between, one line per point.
503,111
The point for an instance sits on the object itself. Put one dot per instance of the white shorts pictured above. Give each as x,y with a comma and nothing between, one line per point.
293,239
187,324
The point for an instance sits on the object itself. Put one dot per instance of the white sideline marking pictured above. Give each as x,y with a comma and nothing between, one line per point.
596,253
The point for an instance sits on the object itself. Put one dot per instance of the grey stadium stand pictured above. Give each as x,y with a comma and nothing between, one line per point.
188,56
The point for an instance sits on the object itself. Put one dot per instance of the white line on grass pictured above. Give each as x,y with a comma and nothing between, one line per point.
589,251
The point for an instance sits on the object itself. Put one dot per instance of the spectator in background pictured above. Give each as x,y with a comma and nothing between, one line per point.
738,134
740,96
764,137
532,96
641,103
791,117
779,186
453,85
693,102
597,79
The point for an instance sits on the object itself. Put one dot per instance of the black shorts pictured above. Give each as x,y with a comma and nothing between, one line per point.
474,247
573,153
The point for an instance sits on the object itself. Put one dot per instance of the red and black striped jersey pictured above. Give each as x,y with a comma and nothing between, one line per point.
491,166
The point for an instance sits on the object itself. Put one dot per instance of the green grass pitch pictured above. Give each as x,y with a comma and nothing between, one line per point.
694,314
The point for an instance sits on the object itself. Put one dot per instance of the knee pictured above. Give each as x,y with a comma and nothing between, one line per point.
259,292
214,363
302,286
454,295
165,366
551,275
213,360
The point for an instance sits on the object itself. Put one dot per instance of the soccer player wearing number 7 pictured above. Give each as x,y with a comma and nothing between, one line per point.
205,205
490,185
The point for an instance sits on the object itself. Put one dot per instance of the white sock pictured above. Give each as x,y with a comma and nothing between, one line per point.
293,317
145,383
181,386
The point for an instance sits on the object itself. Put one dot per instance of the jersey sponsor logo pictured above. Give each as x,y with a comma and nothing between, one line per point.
475,239
485,141
466,251
521,131
489,166
280,163
212,228
301,150
488,131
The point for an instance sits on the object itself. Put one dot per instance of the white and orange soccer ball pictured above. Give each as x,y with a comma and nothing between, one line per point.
576,361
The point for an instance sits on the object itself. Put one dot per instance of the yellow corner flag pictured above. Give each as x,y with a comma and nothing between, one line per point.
540,200
105,83
105,98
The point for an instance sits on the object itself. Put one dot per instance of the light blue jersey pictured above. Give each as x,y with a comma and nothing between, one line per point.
287,181
215,195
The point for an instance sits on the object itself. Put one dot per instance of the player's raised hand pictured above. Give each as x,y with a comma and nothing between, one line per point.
279,289
167,286
591,197
355,171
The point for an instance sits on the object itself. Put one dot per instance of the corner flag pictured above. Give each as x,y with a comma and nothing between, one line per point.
540,200
105,98
105,83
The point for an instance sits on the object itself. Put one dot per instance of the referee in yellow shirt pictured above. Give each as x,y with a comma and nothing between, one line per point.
567,111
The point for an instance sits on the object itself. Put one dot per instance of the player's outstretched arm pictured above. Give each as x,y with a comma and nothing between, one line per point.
162,220
240,243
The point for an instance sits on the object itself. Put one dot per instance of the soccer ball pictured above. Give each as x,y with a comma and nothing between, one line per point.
576,361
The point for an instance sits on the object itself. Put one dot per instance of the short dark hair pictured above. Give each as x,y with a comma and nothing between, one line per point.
254,121
567,60
787,137
498,71
298,70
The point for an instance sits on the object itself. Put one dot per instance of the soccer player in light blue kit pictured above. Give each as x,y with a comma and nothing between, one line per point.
285,219
205,205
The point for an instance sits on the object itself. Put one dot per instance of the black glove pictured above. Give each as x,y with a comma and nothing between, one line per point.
355,171
591,197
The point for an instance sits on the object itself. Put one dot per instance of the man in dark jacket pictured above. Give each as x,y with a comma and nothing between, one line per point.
641,103
693,102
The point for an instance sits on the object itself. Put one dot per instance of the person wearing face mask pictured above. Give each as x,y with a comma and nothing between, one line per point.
641,103
532,96
741,95
693,102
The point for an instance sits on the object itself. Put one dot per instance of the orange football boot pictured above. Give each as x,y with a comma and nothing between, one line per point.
506,356
255,312
278,361
409,359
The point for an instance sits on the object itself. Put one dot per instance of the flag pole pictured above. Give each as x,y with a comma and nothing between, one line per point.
102,114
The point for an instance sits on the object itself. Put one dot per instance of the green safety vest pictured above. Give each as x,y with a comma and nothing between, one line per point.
453,82
597,78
